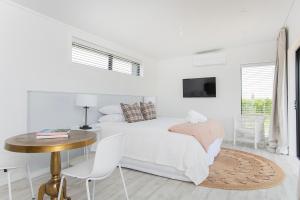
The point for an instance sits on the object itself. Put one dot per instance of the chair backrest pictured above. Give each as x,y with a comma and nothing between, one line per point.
248,121
108,155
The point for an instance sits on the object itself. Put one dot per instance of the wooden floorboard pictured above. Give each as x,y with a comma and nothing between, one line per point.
142,186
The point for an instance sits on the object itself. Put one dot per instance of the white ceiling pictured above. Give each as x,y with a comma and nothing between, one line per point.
168,28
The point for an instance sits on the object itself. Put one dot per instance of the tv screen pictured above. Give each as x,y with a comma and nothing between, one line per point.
199,87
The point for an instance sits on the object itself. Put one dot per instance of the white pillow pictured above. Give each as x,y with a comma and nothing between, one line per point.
111,109
112,118
196,117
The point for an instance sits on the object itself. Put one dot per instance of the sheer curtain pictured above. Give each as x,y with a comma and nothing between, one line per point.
278,137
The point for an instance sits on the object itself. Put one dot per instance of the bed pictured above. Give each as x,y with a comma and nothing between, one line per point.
151,148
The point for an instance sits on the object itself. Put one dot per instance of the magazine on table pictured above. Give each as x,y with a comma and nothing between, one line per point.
52,133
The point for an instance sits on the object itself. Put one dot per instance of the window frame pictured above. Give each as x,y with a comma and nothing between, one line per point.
111,56
267,120
260,64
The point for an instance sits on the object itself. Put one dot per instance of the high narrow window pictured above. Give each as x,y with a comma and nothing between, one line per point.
257,91
91,56
122,66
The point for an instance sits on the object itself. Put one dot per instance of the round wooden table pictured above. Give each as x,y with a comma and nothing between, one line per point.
27,143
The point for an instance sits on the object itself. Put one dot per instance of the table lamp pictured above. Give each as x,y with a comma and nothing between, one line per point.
86,101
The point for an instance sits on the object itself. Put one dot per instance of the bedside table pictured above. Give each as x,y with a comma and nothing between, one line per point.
88,151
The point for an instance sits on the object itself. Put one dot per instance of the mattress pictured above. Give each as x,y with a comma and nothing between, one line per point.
151,148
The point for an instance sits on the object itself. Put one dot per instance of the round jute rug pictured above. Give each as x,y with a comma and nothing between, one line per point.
239,170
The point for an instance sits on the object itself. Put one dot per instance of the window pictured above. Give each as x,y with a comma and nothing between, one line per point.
89,57
86,55
122,66
257,91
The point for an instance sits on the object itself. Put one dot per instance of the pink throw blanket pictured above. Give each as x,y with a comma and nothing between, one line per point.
206,133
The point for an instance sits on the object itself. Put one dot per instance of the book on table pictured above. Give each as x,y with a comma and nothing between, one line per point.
52,133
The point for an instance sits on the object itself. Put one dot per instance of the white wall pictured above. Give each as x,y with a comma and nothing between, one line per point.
294,44
35,54
227,102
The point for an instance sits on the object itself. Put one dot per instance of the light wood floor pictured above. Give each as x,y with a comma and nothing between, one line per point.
144,186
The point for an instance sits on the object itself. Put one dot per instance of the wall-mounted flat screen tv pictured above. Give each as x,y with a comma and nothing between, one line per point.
199,87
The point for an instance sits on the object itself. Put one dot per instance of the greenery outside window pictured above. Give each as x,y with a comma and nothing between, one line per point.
257,91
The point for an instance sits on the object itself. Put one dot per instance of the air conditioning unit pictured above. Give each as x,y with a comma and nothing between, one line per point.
215,57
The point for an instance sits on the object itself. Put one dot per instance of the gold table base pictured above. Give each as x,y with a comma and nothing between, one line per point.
51,188
28,143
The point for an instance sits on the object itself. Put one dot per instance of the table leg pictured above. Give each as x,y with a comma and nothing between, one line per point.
51,188
42,191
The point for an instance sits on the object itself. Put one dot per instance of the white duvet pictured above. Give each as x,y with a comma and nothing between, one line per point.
150,141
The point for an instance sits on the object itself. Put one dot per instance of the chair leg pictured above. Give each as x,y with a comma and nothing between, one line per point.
234,138
60,187
255,140
88,189
9,185
94,185
68,158
30,180
123,181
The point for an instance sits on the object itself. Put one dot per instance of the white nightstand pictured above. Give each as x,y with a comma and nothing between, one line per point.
87,151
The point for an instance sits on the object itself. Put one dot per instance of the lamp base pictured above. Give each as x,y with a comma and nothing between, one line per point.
85,127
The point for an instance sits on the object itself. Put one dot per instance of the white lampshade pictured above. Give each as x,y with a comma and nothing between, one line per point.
148,99
86,100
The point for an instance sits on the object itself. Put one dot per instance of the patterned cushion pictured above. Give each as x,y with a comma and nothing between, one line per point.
132,113
148,110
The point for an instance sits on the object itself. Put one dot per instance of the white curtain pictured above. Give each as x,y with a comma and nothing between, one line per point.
278,138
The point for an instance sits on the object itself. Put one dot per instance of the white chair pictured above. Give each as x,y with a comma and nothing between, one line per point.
107,158
251,127
87,151
8,170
